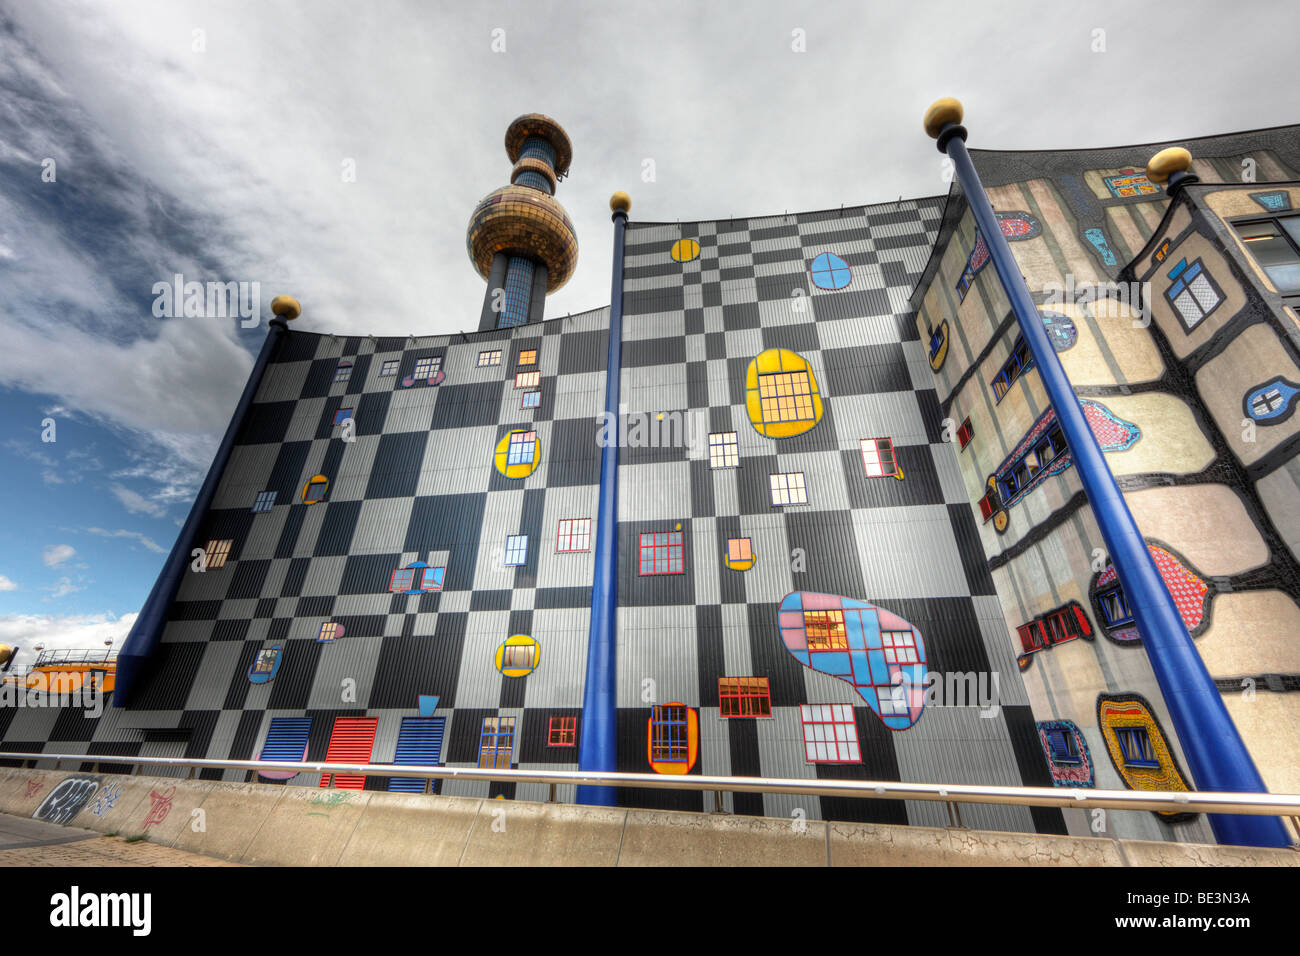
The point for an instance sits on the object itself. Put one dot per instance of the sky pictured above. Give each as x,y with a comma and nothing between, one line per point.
334,152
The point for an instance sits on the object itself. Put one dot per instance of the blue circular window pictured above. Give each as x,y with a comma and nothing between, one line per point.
829,271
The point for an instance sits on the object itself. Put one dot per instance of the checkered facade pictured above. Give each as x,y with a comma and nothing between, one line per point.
418,484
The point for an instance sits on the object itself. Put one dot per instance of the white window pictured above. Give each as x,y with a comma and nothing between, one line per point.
516,549
723,450
788,489
389,368
899,647
428,367
489,358
830,734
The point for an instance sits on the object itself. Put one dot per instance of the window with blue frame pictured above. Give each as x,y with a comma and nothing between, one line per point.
1020,362
829,271
389,368
1135,745
1063,747
1051,447
427,367
522,446
669,741
516,550
265,502
1192,292
342,415
936,342
1114,606
496,742
343,371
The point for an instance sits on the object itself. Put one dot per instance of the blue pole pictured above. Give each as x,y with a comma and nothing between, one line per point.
148,627
1216,755
598,747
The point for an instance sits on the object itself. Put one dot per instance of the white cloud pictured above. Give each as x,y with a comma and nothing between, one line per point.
56,554
6,584
62,588
136,503
58,632
148,543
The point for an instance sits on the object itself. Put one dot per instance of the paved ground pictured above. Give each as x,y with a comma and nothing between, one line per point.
25,842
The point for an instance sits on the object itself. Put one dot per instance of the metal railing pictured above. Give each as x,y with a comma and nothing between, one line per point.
955,794
71,656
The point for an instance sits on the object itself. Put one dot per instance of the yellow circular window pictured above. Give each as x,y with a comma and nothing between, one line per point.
518,656
684,250
781,394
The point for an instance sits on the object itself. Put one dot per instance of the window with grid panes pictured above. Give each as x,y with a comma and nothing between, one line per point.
744,697
574,534
724,452
562,732
825,630
528,379
491,357
785,397
516,549
389,368
878,458
218,551
830,733
661,553
528,357
265,502
788,489
522,446
428,367
496,743
343,371
669,734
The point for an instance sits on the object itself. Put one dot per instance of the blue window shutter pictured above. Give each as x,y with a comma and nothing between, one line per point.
285,740
418,742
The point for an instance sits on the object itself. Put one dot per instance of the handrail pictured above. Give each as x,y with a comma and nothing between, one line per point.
1256,804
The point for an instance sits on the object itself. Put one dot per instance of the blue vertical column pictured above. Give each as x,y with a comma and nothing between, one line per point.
1216,755
598,747
148,627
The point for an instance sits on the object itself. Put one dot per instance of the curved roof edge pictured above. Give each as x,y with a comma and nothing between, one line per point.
1151,143
777,215
469,335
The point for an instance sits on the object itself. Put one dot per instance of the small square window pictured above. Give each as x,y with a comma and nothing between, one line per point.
426,368
785,397
899,647
389,368
521,449
403,579
830,733
563,732
740,549
574,535
527,357
432,579
328,631
1135,745
218,551
492,357
788,489
724,452
878,458
1063,747
342,415
825,630
662,553
343,371
528,379
531,399
965,434
265,502
516,550
744,697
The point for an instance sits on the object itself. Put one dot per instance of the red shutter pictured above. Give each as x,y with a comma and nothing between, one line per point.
1026,637
1084,627
986,506
965,433
351,741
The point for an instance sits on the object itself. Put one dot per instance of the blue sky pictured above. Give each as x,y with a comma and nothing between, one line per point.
211,140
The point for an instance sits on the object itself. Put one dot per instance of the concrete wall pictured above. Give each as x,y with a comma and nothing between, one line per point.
292,826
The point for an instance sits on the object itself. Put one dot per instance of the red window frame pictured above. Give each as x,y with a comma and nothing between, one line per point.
986,506
744,697
838,718
573,534
884,451
965,433
528,379
408,577
562,732
673,548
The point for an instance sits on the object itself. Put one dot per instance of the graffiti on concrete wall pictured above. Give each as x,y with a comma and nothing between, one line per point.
66,800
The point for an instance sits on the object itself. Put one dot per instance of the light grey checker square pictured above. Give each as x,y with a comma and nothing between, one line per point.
704,572
908,552
219,663
743,342
264,533
478,684
949,472
283,381
735,641
823,479
324,575
459,461
645,395
657,644
715,746
237,610
561,634
344,673
655,491
381,525
455,601
894,415
306,419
